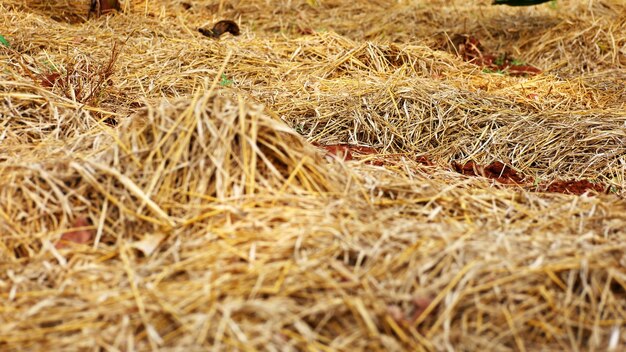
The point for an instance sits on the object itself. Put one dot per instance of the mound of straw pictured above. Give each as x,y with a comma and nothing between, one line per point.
161,190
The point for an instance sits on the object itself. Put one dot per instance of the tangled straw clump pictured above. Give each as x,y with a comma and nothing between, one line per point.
190,152
237,150
205,218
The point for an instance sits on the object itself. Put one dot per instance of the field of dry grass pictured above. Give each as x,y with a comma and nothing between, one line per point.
341,176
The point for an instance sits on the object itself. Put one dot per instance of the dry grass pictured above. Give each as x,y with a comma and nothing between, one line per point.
215,223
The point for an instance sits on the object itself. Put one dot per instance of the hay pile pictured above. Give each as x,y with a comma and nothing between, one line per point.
187,169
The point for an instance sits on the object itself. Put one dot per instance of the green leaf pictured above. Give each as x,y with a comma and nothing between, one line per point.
225,82
4,42
499,60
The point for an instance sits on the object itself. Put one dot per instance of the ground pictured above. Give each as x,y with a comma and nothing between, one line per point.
340,176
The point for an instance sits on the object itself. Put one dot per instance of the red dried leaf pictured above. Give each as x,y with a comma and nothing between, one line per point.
80,236
420,304
376,162
305,30
523,70
50,79
575,187
496,171
424,160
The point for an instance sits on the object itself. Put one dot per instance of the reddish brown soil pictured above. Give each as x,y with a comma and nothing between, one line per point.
497,171
506,175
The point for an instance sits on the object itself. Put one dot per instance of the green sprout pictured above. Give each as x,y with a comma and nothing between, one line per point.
516,62
536,182
499,60
225,82
4,42
553,4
